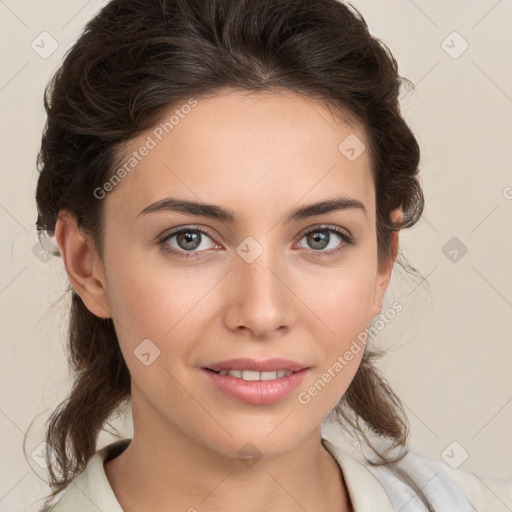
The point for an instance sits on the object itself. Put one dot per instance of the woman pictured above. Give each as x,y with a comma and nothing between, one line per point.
226,182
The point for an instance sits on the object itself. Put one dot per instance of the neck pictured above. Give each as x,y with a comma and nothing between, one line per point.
168,467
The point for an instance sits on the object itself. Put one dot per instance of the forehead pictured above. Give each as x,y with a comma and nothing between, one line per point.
252,151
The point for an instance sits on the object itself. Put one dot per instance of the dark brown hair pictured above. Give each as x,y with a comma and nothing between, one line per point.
133,60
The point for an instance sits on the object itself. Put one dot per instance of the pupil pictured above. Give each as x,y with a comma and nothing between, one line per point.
319,237
191,240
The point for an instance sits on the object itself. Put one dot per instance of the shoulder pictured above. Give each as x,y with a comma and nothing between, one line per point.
485,494
419,484
90,491
445,487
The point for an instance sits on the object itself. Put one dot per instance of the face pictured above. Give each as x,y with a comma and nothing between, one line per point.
187,291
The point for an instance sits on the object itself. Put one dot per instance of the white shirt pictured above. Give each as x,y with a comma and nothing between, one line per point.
371,489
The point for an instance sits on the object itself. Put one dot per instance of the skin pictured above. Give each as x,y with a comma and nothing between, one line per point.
260,155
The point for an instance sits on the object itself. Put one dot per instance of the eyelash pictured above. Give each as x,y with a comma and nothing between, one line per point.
163,239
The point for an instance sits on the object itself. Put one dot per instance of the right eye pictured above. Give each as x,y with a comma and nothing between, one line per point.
188,240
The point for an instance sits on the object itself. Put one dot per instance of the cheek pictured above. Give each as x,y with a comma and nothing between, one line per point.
342,298
135,285
156,301
343,304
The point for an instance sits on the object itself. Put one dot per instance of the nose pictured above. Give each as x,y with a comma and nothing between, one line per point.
261,300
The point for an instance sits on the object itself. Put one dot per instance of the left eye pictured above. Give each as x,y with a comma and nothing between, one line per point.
188,240
319,238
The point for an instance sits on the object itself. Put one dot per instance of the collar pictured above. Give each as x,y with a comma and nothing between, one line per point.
365,491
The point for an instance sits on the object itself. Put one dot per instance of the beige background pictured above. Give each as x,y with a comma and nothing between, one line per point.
450,351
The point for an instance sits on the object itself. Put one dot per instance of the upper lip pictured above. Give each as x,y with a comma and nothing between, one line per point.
268,365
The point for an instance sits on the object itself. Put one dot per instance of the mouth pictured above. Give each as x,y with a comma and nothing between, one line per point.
253,375
257,388
246,364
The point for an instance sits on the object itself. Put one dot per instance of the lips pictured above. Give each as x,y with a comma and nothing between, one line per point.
255,392
268,365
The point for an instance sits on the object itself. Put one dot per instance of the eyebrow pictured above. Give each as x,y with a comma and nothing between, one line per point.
216,212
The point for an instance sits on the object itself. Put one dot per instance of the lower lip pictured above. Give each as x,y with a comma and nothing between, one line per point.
257,392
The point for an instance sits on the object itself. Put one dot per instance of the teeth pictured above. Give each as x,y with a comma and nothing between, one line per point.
252,375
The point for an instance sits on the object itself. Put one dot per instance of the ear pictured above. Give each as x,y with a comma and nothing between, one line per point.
385,267
83,264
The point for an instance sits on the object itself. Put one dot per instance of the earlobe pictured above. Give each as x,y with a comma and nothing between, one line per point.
82,263
385,268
